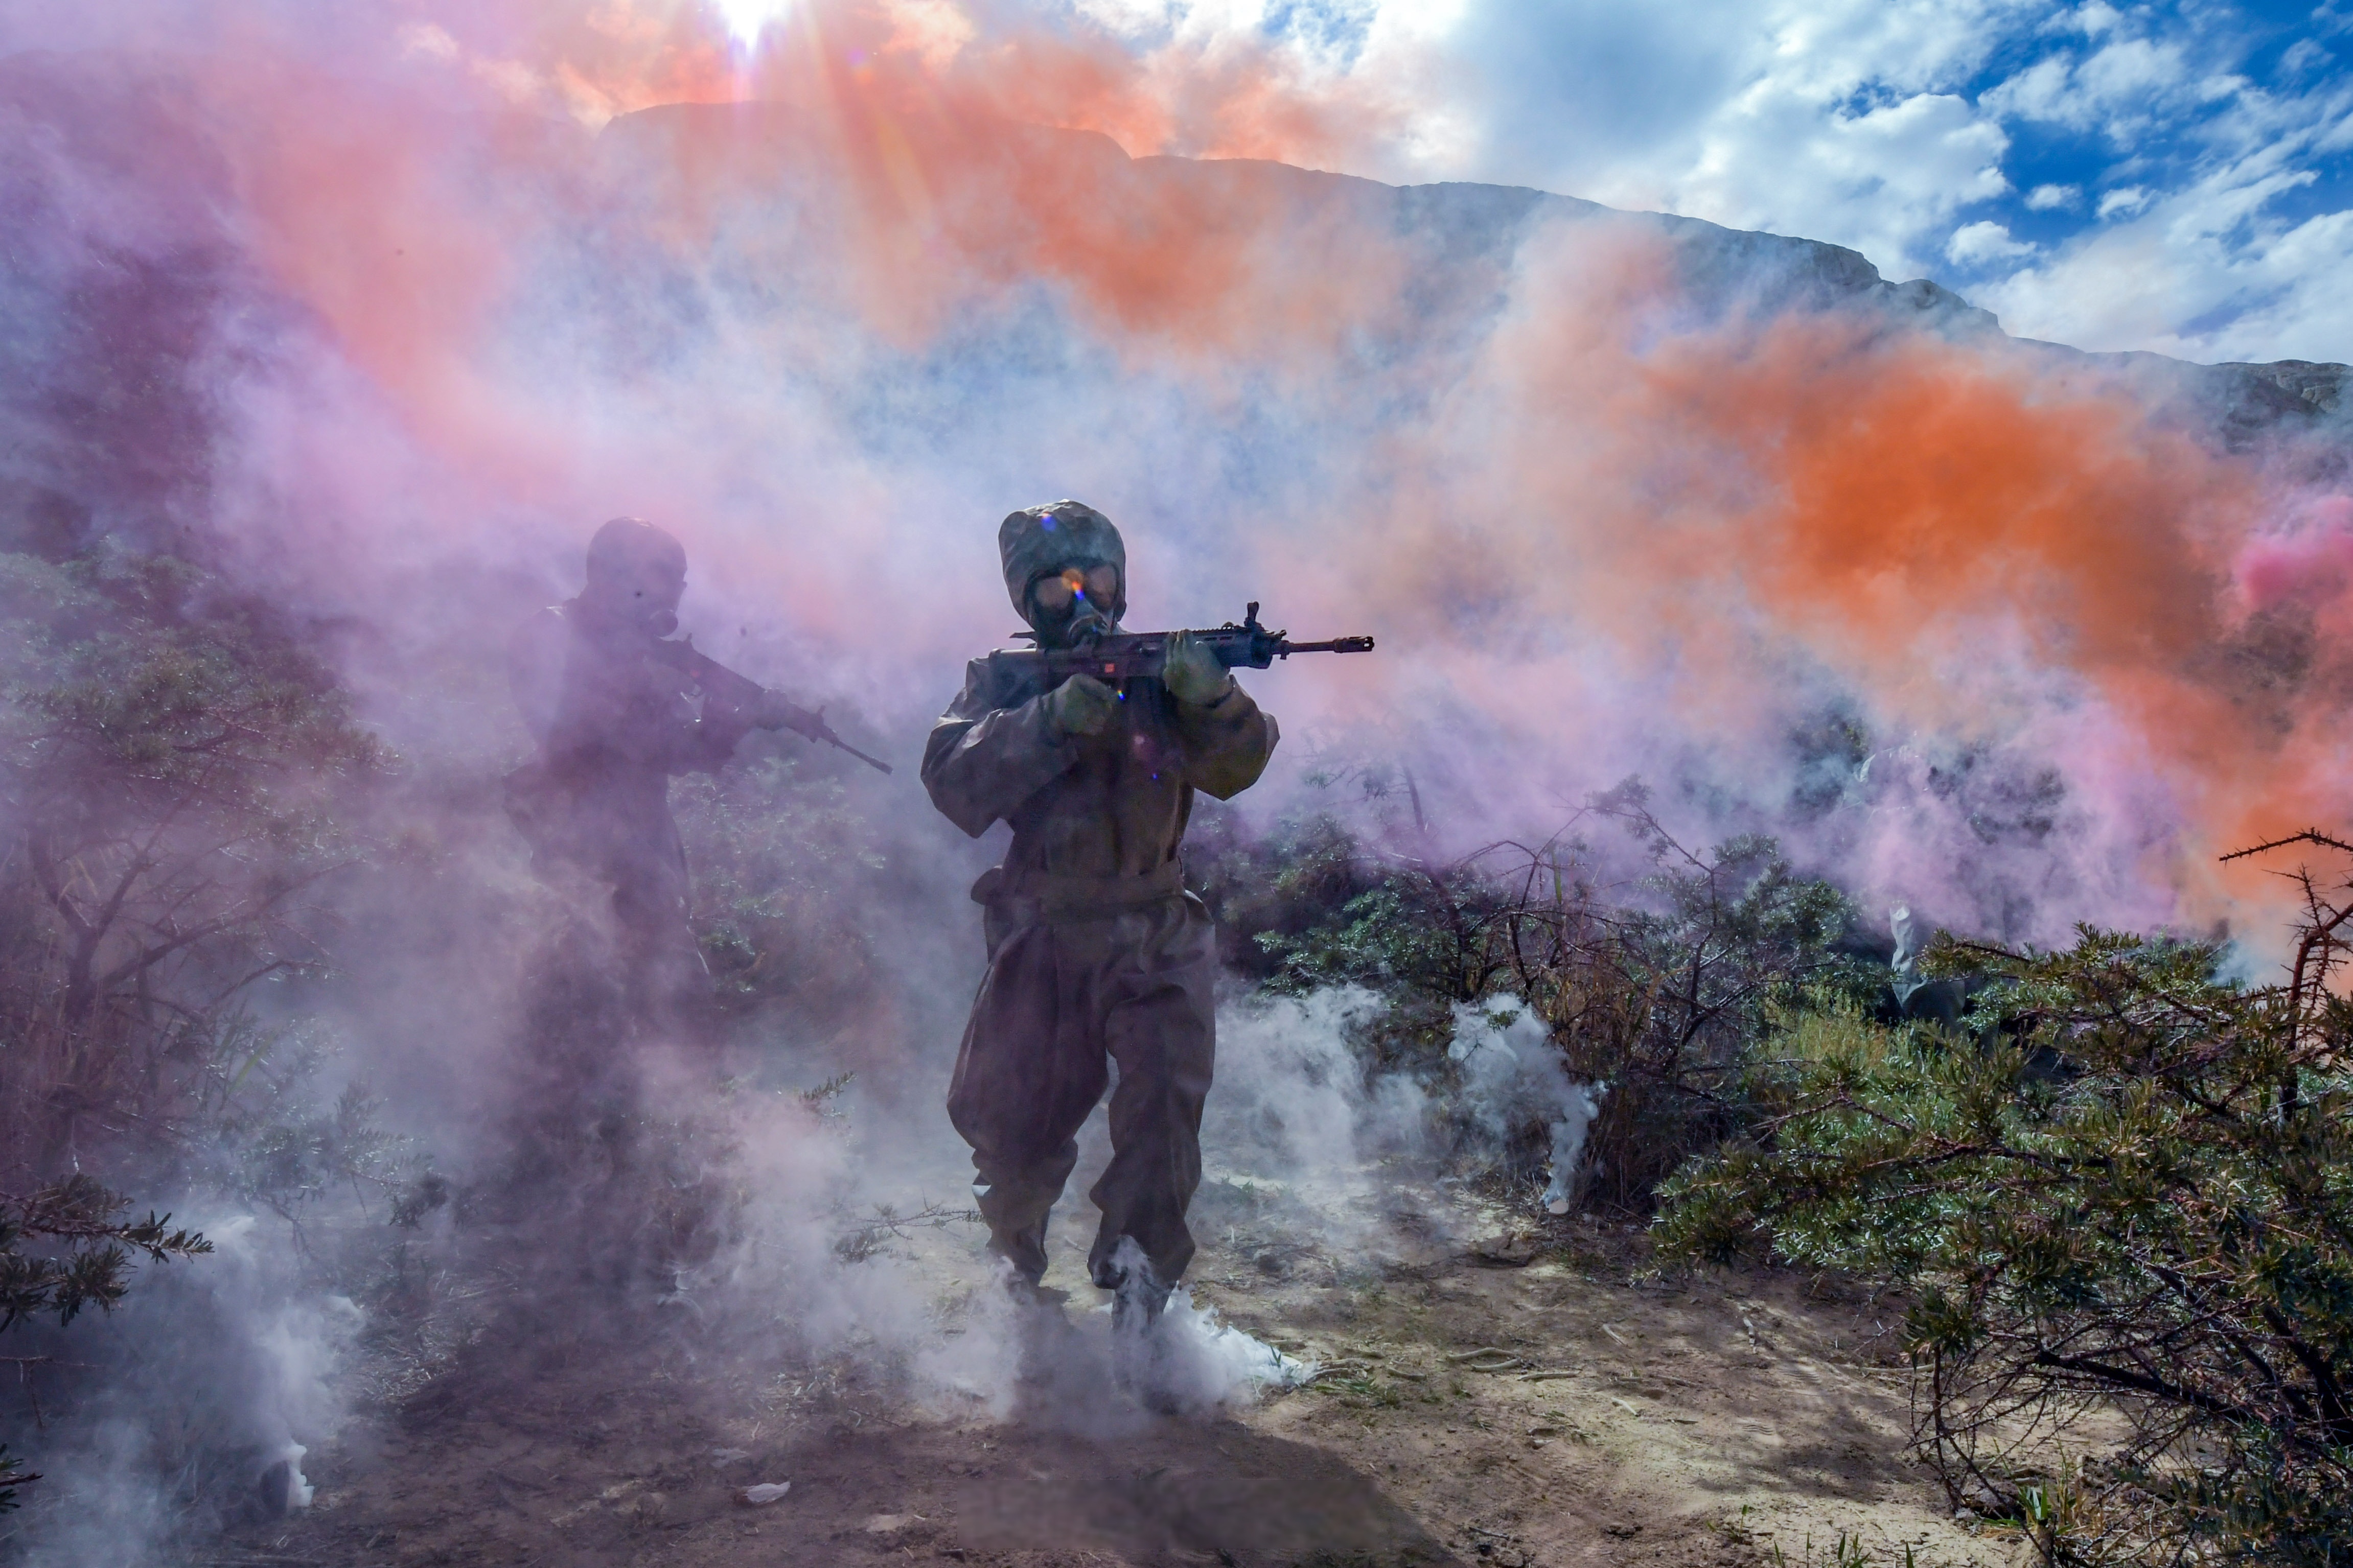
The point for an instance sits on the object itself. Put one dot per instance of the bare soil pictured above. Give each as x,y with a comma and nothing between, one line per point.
1546,1397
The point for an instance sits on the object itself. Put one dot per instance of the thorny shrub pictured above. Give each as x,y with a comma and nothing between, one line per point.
1656,985
172,771
63,1248
2128,1191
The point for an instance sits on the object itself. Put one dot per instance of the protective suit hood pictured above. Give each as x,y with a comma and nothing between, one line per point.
1049,538
636,574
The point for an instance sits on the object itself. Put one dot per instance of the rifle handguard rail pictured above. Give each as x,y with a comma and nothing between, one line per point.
1133,656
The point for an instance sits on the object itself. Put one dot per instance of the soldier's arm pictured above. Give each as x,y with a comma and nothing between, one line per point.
703,745
983,760
1227,743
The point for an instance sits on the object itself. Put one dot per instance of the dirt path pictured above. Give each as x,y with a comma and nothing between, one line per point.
1570,1410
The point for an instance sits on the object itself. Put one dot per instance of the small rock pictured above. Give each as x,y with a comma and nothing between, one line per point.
1509,1250
768,1491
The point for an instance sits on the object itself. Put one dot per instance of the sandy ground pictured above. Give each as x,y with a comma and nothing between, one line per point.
1566,1404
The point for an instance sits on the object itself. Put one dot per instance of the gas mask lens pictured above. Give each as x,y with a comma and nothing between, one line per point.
1099,585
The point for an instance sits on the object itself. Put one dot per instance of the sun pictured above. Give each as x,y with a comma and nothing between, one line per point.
747,20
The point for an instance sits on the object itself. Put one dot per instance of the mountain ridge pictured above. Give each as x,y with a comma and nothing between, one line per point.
1477,227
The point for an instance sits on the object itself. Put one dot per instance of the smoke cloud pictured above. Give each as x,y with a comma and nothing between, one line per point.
379,313
841,300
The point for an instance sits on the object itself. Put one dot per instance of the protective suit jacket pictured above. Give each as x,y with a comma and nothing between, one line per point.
1096,951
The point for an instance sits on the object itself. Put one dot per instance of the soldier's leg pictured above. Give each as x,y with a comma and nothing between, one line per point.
665,981
1161,1027
1030,1072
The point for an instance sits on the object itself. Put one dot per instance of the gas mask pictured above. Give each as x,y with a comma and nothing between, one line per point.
642,602
1075,605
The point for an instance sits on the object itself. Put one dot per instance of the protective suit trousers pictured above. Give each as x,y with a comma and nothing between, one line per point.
665,984
1064,997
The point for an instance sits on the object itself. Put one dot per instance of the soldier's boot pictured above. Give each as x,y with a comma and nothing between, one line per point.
1016,1204
1139,1360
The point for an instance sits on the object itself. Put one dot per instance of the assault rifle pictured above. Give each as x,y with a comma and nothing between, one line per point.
1133,655
747,700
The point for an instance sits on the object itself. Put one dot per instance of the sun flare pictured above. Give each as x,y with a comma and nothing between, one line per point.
747,20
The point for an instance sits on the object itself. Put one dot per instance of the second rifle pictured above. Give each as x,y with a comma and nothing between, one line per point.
753,702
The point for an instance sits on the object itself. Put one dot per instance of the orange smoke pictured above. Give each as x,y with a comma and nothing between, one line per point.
396,200
1976,543
952,194
1923,495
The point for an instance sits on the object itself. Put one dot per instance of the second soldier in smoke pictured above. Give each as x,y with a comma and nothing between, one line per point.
619,709
1096,953
613,725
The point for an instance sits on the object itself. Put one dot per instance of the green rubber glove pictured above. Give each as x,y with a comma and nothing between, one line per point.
1080,706
1192,672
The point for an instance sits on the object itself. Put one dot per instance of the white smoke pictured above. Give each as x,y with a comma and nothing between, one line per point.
1512,1076
223,1372
1294,1102
1186,1362
1212,1364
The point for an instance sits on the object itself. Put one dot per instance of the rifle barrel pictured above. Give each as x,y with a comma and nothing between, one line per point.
869,761
1336,645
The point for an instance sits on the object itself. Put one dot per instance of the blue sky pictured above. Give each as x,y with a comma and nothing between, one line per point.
2175,176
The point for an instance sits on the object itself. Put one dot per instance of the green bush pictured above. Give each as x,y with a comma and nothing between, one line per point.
785,874
2124,1192
64,1248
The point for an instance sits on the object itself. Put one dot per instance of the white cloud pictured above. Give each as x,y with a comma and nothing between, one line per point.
2117,92
2123,202
1975,244
1869,123
425,38
1833,119
1881,182
2303,54
1845,120
2040,92
2181,278
2132,72
2097,18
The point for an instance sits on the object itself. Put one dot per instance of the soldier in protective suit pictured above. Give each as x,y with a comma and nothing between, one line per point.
1095,951
613,725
